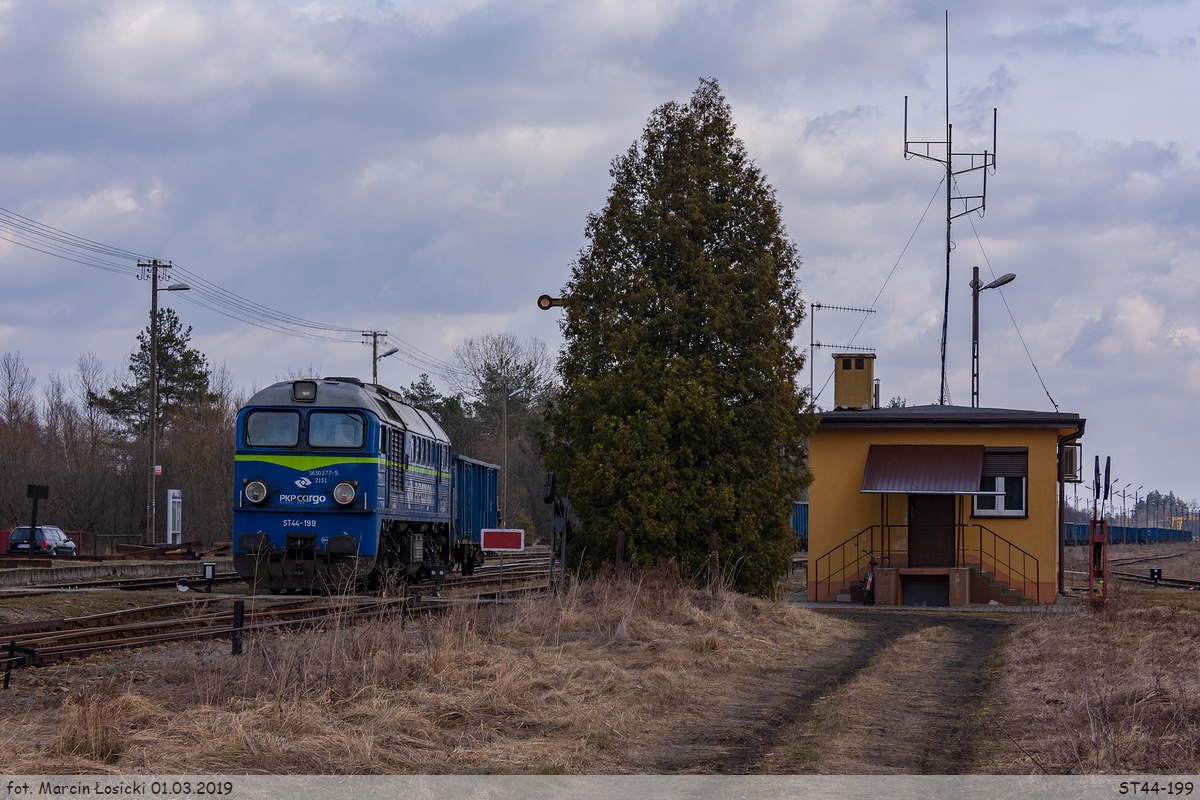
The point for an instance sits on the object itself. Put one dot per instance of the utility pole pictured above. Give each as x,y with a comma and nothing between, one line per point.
150,271
504,469
374,336
976,288
970,203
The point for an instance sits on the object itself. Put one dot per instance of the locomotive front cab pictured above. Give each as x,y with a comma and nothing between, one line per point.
305,480
338,485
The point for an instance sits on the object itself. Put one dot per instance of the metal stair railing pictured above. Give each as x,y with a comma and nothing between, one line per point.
845,561
1020,568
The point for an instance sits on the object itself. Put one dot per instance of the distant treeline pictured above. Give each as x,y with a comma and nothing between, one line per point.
86,434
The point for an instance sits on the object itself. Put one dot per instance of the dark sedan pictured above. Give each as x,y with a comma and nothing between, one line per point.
48,540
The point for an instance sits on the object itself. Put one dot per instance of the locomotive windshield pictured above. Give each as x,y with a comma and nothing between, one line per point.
272,429
345,430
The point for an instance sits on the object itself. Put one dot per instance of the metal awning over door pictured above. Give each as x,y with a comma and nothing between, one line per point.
923,469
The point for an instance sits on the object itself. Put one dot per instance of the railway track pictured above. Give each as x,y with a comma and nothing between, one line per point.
1133,577
46,641
157,582
1169,583
518,566
1124,562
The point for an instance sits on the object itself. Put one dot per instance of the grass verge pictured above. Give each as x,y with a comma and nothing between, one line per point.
1087,693
587,681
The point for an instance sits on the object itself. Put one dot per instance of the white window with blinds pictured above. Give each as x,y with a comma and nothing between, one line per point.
1004,482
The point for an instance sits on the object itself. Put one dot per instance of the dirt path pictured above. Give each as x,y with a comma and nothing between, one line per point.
898,696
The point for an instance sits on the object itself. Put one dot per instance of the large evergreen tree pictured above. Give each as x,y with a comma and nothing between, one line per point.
679,413
182,372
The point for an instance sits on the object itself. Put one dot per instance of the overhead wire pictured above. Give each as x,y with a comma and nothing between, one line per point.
886,280
416,357
1016,327
39,237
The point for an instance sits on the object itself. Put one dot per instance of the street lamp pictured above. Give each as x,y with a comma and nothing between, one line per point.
152,268
508,396
976,288
375,363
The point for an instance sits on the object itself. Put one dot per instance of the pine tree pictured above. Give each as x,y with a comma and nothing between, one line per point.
679,413
183,377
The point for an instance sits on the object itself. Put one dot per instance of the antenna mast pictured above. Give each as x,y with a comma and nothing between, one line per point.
813,344
934,151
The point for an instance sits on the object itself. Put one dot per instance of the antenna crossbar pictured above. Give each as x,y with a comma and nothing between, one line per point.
813,344
848,347
827,307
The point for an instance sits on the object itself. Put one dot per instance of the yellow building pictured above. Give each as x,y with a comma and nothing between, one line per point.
957,505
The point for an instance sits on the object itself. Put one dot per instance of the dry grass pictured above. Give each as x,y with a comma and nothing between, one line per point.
868,716
1110,692
585,681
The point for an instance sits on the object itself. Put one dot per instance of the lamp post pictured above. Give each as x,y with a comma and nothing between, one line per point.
508,396
976,288
150,271
375,362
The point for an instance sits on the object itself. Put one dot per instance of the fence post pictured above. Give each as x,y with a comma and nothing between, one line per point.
239,611
714,564
12,650
620,555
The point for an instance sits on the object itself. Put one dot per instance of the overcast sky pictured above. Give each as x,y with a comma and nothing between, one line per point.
426,168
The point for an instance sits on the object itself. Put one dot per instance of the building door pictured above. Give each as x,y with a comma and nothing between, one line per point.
931,530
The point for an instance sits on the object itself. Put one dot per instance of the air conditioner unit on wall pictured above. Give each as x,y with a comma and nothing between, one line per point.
1072,463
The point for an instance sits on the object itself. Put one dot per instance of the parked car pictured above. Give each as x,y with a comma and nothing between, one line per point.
49,540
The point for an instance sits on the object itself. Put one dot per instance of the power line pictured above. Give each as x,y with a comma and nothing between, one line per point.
39,237
1011,317
886,280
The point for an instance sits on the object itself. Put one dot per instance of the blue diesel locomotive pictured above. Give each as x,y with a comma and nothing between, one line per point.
340,485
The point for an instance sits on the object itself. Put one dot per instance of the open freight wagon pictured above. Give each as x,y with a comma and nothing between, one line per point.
474,492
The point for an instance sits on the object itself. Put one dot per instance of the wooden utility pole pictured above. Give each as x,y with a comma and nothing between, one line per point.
374,337
150,272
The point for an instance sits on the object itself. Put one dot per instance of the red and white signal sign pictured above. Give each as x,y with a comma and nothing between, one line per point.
503,539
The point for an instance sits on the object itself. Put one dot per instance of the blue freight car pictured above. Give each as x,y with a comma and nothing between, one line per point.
800,525
1077,534
340,484
473,484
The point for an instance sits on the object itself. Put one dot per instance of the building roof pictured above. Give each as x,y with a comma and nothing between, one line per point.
946,416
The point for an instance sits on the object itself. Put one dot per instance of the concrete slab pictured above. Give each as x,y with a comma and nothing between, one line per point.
110,570
800,599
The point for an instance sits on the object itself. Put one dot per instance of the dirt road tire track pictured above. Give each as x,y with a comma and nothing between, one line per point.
783,723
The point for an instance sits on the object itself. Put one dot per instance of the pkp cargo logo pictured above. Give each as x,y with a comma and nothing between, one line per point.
303,483
303,499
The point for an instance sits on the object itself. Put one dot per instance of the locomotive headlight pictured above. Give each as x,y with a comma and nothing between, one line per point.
344,493
256,491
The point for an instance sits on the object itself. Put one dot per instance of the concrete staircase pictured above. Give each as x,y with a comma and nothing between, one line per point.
985,588
854,594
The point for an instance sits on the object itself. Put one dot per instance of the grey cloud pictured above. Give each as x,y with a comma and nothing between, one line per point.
428,168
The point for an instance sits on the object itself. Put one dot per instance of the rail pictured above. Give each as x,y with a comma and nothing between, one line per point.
44,641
